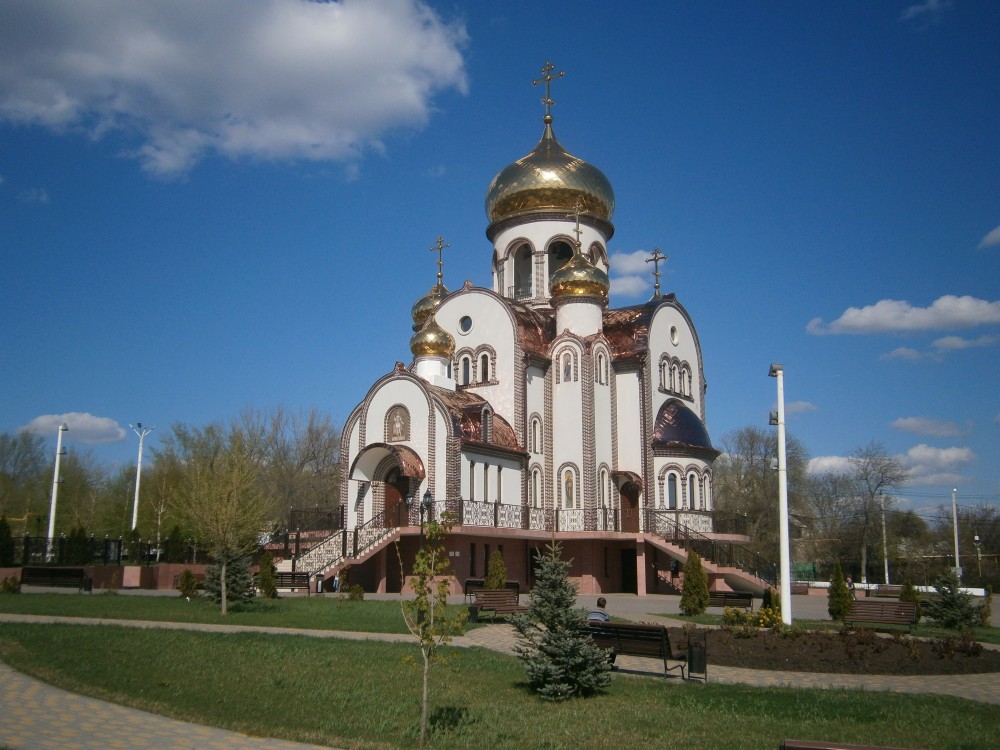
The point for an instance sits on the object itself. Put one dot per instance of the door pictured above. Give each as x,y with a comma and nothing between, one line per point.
396,487
630,507
630,580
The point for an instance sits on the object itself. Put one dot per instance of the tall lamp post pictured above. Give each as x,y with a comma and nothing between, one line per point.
56,481
885,540
785,583
954,523
425,505
979,557
141,432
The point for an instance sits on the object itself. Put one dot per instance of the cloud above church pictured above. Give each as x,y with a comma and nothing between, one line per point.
83,427
992,239
899,316
278,79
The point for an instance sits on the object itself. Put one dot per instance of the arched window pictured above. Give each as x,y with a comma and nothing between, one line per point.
567,367
604,488
663,374
602,369
484,368
536,435
487,426
522,272
536,489
559,253
672,491
692,492
466,365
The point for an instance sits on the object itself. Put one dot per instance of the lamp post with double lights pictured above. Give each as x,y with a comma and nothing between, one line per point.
425,505
778,418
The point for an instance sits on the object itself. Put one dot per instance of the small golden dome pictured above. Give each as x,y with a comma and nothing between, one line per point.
427,304
432,341
579,278
549,179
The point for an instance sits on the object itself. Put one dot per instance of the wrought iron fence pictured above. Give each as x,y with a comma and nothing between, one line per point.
63,550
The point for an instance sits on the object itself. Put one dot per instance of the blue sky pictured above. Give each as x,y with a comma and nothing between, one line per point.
209,206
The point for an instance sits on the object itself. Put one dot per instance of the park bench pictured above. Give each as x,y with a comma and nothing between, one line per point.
497,602
882,612
885,591
814,745
284,579
633,639
730,599
71,578
472,585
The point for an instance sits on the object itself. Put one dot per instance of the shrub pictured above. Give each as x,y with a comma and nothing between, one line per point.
770,617
909,593
559,655
953,608
839,596
496,574
694,595
11,585
187,583
356,592
266,583
239,584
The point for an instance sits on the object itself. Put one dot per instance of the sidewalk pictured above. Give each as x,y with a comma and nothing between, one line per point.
37,716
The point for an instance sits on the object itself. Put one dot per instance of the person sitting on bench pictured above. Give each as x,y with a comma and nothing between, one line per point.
600,614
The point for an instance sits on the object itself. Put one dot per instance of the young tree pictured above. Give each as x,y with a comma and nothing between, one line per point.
219,496
560,657
496,572
876,474
694,596
838,597
952,608
426,615
236,586
266,582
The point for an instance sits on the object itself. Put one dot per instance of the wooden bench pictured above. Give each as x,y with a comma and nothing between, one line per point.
730,599
882,612
814,745
472,585
70,578
632,639
497,602
284,579
884,591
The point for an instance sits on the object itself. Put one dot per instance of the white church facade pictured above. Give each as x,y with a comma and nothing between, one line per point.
531,411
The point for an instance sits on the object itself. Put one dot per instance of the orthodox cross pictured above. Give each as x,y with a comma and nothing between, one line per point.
576,214
439,247
655,260
547,78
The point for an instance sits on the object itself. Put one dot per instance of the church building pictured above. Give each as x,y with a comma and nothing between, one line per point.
533,412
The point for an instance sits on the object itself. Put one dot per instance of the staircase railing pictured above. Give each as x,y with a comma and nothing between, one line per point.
664,524
344,544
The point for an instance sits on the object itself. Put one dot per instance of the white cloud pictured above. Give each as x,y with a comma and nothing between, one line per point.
991,240
903,352
276,79
953,343
83,427
933,466
34,196
799,407
894,316
632,264
925,426
829,465
928,11
629,286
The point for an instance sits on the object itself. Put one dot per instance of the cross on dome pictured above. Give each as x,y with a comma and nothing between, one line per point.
439,247
547,78
655,260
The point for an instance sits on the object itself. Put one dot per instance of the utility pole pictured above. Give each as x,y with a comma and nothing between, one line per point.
56,481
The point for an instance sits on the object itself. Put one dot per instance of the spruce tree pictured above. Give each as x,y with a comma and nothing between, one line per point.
839,596
560,656
694,595
496,573
266,582
910,594
952,607
239,584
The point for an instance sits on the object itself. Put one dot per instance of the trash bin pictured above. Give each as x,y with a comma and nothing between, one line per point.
697,658
473,613
319,583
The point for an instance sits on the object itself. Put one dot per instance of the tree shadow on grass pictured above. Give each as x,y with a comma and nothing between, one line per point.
449,718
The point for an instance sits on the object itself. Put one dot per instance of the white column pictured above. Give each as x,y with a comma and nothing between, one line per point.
141,432
56,480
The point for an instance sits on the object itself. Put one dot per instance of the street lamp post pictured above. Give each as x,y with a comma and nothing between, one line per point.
885,540
56,481
778,371
141,432
954,523
979,557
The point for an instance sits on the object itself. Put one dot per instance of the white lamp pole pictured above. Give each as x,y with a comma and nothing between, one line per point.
954,523
785,584
56,480
141,432
885,540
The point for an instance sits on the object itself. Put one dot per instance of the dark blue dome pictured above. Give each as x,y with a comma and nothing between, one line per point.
677,426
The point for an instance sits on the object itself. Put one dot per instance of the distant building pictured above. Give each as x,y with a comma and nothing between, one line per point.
532,412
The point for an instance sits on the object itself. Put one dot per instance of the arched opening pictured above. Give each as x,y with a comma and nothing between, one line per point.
484,368
522,272
559,254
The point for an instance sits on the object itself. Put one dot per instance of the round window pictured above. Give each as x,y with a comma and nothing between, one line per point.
465,324
674,336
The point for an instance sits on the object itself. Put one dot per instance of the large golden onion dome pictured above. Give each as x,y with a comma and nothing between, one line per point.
427,304
579,278
549,179
432,341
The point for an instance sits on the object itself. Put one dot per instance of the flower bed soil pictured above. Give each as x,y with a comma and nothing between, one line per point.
846,652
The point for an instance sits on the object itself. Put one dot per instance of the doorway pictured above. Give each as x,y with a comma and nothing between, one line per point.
630,581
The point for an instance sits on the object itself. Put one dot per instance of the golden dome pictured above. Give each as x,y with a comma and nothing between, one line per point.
549,179
432,341
579,278
427,304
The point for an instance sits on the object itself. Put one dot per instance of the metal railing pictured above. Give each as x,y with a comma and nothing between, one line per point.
63,550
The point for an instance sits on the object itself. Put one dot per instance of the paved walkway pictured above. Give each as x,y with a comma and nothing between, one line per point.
37,716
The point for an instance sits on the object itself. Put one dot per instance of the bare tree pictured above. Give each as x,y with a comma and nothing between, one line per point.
875,475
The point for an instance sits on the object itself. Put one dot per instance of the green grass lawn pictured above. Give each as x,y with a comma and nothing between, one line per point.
366,695
312,613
